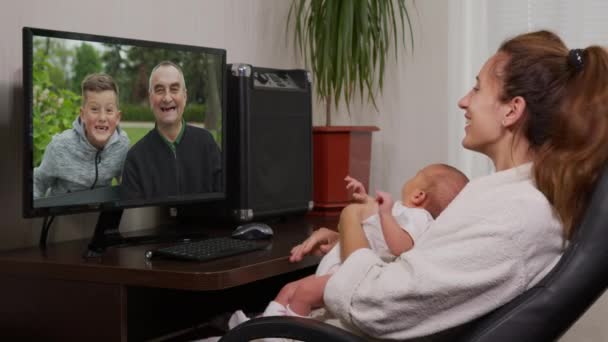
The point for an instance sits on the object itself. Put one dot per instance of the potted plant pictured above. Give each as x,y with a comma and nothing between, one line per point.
345,43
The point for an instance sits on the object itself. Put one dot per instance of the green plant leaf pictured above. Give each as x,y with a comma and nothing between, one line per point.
345,43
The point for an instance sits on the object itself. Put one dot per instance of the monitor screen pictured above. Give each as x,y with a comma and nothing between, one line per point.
116,123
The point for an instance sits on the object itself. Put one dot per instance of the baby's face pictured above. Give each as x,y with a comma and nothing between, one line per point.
100,115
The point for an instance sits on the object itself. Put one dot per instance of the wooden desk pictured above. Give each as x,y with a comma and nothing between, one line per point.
57,295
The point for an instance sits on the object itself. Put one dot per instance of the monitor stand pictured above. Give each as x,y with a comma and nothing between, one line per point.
107,235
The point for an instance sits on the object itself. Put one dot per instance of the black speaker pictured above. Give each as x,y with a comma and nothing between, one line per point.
269,142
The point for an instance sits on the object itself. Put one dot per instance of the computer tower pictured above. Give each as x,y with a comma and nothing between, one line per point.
269,142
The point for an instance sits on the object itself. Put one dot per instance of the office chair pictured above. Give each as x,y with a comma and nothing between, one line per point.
542,313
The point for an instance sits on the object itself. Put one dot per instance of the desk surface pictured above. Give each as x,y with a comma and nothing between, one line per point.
128,266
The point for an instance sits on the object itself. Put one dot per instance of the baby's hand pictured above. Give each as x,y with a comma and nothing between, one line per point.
359,193
385,202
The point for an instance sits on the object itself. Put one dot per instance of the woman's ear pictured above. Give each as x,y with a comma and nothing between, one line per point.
418,197
517,108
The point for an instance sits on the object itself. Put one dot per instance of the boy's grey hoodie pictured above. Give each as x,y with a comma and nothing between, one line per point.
69,162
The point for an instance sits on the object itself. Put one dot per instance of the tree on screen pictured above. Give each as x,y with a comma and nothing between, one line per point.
87,61
54,108
114,65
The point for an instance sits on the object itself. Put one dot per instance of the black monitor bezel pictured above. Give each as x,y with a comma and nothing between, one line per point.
29,211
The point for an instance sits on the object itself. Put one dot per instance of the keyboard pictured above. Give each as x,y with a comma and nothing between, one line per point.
206,249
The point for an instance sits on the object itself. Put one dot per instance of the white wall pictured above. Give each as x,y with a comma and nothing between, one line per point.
251,31
413,108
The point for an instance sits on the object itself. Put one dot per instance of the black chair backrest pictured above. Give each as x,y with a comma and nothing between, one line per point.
548,310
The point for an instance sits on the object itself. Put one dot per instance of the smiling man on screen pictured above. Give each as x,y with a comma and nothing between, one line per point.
173,158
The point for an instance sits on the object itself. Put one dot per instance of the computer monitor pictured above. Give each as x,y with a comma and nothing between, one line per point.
113,123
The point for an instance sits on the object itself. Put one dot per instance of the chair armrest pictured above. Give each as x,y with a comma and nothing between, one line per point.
302,329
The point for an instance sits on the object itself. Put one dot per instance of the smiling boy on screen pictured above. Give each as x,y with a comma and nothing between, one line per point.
91,153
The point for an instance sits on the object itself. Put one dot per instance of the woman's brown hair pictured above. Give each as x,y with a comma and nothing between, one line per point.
566,94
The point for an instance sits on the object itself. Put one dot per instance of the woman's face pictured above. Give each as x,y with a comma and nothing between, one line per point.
484,112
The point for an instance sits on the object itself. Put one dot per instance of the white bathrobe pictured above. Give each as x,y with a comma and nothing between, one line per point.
498,237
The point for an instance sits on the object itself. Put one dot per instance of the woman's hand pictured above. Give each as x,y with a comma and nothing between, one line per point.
318,243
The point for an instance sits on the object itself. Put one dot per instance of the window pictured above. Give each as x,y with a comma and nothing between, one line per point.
579,23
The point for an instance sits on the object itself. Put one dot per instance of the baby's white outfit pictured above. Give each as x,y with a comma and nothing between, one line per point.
415,221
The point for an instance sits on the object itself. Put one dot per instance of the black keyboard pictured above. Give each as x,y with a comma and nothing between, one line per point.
206,249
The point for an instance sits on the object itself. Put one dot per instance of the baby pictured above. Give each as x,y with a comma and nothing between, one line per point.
391,229
92,152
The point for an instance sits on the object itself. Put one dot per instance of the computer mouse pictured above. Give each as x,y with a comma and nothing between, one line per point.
253,231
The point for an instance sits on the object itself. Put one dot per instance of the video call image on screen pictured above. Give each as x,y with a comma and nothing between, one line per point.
113,121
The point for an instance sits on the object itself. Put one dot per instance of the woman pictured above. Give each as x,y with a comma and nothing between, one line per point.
540,112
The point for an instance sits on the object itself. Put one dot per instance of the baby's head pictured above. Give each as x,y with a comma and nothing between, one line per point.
99,113
433,188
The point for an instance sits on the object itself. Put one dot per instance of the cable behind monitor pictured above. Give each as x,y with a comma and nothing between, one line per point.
44,232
